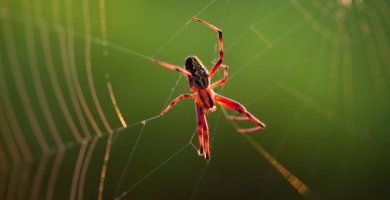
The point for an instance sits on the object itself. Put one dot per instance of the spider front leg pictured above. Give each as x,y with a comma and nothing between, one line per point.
203,133
220,41
225,77
175,101
172,67
237,107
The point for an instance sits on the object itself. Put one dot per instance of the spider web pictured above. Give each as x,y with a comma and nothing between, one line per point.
80,101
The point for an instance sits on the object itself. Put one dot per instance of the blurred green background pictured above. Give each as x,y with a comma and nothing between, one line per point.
316,72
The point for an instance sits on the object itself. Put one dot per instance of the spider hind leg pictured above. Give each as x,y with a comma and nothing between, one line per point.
237,107
203,133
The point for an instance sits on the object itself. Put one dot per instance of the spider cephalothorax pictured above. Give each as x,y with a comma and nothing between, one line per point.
204,95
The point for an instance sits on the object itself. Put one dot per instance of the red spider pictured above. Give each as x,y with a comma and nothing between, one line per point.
205,98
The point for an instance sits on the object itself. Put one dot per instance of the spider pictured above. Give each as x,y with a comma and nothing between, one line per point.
205,98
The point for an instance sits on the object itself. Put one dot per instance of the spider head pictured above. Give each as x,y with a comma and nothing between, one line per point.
200,75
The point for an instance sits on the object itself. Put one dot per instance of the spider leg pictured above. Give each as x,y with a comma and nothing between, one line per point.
220,41
172,67
200,116
225,77
206,139
235,106
175,101
203,133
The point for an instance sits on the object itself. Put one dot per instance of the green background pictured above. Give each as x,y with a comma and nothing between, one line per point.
316,72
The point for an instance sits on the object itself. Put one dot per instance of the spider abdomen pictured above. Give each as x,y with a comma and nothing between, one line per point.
200,75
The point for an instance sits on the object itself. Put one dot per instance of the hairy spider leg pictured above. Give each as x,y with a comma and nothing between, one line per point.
172,67
175,101
203,133
199,117
237,107
206,140
220,41
225,77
